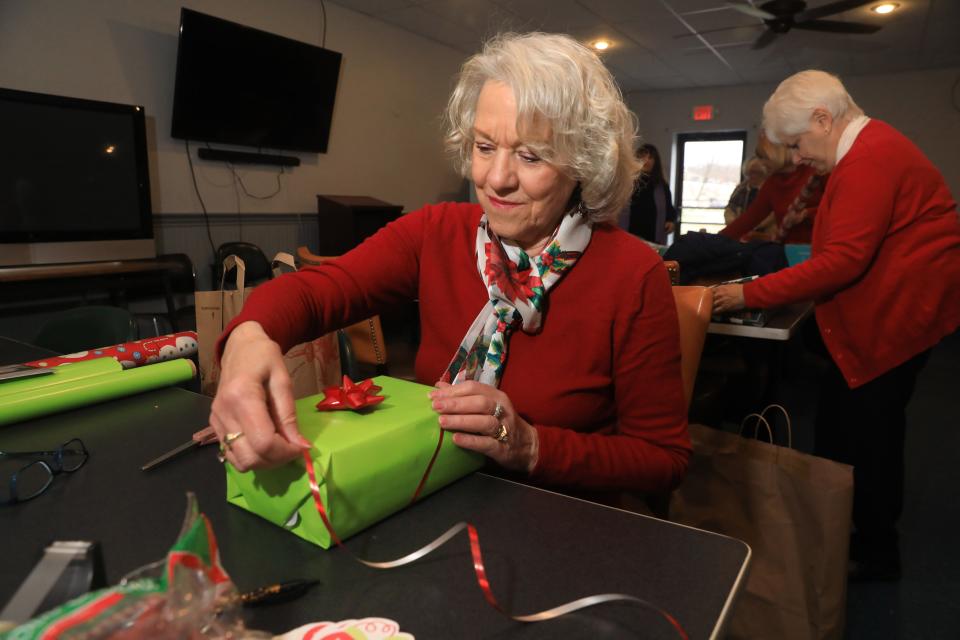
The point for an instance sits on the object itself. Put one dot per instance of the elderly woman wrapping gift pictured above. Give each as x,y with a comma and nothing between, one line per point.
553,333
790,192
885,277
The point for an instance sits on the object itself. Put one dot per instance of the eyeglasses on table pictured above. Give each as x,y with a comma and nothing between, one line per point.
32,479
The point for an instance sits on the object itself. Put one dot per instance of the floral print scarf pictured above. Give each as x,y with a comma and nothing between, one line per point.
517,286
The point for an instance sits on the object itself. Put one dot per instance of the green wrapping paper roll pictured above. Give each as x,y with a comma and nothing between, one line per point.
41,401
63,374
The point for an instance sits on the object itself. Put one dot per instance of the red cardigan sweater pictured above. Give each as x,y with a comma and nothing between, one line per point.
885,265
777,194
601,382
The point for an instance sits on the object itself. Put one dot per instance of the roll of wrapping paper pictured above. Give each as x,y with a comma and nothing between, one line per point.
32,403
63,374
132,354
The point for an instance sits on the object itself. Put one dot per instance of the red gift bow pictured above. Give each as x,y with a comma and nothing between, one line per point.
350,395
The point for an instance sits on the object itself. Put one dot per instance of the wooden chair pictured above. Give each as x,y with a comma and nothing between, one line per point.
694,307
362,342
673,268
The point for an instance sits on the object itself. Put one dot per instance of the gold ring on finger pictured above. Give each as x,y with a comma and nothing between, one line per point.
230,438
502,433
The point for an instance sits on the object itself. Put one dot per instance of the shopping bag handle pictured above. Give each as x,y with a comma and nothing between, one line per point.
282,258
230,262
761,418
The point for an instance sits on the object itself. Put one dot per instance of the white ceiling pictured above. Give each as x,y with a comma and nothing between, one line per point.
654,46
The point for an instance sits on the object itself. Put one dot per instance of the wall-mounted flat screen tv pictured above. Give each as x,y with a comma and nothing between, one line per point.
74,180
239,85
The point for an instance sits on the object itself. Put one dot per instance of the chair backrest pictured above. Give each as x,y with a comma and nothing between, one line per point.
183,277
694,306
673,268
257,264
366,337
85,328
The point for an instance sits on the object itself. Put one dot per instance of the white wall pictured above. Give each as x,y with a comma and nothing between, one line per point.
385,138
918,103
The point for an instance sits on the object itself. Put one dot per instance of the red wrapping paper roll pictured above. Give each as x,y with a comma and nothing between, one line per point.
133,354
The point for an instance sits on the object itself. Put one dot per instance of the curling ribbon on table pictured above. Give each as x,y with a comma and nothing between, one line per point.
133,354
84,383
478,566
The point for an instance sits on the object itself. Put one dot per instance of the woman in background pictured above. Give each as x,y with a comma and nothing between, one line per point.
791,193
884,275
755,171
652,214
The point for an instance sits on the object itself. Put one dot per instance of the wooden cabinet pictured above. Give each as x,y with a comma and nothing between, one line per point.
344,221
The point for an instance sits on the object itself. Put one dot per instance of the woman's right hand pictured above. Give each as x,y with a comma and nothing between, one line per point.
727,298
254,402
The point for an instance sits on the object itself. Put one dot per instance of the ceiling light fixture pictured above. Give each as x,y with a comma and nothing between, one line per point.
886,7
601,45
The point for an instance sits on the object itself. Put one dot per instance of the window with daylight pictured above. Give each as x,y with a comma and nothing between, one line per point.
708,170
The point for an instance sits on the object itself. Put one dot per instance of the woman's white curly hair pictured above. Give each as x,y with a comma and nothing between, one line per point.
555,79
788,111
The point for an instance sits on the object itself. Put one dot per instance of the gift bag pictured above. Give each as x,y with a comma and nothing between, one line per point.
313,365
793,509
368,463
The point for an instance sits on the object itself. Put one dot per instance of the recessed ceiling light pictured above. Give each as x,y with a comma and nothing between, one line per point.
601,45
886,7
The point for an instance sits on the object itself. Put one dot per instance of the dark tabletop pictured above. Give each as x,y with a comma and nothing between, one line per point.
541,549
15,351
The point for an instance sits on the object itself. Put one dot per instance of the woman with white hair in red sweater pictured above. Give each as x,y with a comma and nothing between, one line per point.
885,277
583,392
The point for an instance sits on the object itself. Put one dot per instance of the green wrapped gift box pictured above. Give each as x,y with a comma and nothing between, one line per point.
368,465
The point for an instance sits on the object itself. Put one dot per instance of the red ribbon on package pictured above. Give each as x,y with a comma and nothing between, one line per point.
133,354
350,396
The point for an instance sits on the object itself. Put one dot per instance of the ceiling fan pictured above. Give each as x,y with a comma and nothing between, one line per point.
780,16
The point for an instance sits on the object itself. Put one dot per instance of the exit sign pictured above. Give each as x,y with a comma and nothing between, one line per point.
703,112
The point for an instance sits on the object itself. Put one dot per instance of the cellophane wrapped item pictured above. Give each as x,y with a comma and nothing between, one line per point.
187,595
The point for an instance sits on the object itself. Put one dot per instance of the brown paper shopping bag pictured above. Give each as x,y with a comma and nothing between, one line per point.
313,365
794,511
215,309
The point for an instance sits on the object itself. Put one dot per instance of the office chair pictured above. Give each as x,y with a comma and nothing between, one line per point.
179,286
257,264
85,328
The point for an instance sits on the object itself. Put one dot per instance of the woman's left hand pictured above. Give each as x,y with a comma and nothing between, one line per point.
728,297
669,226
470,409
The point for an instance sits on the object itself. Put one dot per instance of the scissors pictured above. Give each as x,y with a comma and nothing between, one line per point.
203,437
